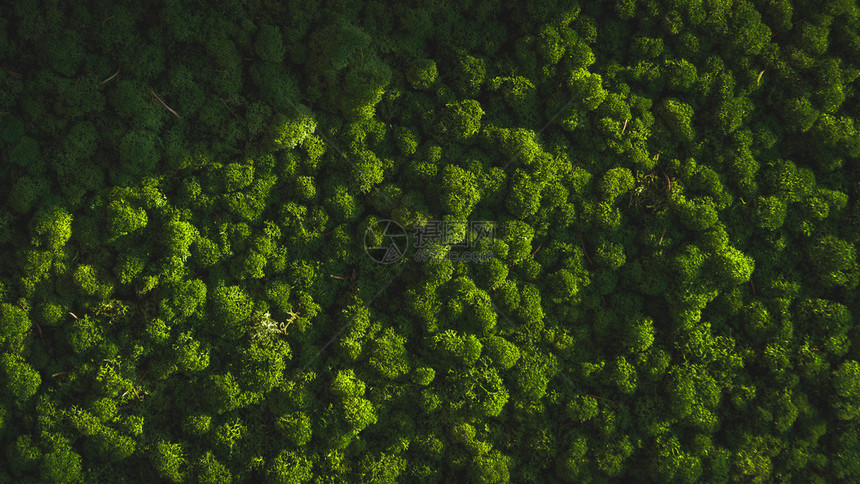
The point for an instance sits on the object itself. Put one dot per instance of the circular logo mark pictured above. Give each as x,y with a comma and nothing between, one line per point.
385,241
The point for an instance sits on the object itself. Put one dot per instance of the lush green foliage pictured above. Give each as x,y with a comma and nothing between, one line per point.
187,189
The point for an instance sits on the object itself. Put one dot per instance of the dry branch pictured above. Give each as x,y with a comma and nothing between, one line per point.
111,77
165,104
584,251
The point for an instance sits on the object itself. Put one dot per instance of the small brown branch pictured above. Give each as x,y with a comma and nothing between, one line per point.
12,73
537,250
337,277
623,128
668,181
60,373
165,104
661,237
581,241
76,255
73,315
601,398
40,329
603,298
752,286
111,77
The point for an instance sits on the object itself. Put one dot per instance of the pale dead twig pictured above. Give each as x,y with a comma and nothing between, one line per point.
40,329
668,181
60,373
537,250
623,128
73,315
165,104
229,108
759,77
111,77
604,399
131,390
583,249
76,255
752,285
12,73
661,237
337,277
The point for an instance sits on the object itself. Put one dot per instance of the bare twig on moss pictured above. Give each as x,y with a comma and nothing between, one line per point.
601,398
12,73
132,389
111,77
624,128
265,326
165,104
228,108
581,241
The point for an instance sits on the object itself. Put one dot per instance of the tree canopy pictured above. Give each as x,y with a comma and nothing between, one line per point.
482,241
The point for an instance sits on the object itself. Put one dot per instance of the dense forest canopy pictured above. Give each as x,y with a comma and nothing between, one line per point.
189,191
